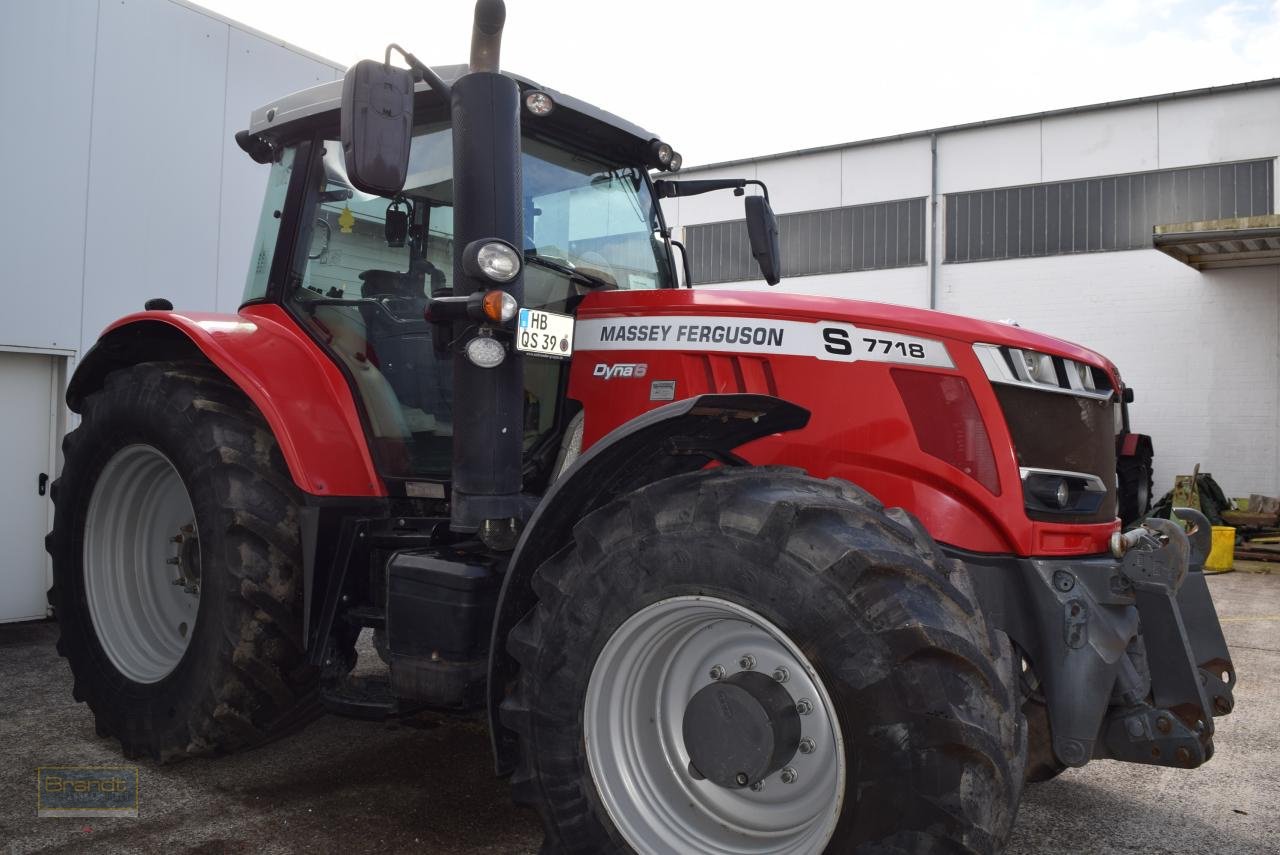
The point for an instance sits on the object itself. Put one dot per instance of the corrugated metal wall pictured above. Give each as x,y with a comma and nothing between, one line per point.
1100,214
879,236
125,181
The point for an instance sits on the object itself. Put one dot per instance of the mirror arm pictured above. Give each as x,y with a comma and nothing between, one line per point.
433,79
684,262
667,189
763,189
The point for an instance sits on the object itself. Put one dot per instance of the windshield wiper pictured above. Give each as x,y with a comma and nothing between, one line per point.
531,256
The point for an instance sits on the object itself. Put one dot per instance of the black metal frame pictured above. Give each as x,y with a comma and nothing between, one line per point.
1085,626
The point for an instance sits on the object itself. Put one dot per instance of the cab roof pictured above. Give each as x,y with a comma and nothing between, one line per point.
318,105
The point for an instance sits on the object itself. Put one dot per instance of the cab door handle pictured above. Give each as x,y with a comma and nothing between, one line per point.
42,482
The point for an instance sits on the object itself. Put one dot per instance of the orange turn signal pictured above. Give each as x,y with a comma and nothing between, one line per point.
499,306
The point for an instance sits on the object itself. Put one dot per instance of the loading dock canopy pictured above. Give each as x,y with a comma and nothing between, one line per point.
1214,244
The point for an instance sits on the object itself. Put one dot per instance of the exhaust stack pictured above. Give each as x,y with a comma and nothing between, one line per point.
486,35
488,406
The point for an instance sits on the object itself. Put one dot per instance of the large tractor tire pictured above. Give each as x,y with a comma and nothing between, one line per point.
177,577
1135,476
754,661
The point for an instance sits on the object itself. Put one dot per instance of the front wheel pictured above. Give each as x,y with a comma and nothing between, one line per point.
754,661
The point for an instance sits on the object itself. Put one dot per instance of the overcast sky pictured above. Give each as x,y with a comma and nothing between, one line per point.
726,79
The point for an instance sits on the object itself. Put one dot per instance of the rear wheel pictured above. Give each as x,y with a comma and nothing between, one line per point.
754,661
177,566
1135,476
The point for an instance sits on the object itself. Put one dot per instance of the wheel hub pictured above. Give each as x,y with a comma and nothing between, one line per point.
741,729
188,559
652,714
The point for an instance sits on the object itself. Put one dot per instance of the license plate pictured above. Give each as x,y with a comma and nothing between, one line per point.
545,334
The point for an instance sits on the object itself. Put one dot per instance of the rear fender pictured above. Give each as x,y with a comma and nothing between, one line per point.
682,436
299,390
1133,444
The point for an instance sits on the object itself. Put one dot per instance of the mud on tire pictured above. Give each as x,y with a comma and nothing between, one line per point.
925,691
242,679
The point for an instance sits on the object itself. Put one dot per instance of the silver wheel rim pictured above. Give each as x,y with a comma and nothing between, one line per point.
640,685
143,599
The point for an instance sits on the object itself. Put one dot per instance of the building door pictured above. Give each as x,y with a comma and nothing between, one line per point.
26,446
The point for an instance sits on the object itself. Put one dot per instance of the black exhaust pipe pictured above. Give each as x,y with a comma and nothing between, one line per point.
488,406
486,35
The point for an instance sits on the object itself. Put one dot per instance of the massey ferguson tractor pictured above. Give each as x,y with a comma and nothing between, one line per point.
727,572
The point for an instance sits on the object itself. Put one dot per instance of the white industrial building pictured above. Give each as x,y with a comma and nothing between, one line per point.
124,183
1048,220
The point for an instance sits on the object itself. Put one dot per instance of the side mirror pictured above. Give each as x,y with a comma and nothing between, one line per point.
377,126
762,231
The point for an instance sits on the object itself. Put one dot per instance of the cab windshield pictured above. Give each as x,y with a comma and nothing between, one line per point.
365,267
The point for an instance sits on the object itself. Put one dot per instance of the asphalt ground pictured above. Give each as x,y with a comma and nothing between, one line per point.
427,786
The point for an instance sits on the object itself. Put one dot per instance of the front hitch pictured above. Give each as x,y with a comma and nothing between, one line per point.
1191,675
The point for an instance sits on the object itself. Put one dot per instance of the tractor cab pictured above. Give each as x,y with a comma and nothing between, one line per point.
358,270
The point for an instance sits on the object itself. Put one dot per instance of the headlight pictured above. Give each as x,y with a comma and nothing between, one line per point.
492,259
1086,375
539,103
1055,491
1039,367
660,153
498,261
1018,366
485,352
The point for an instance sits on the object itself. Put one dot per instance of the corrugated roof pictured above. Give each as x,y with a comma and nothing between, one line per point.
1215,244
1009,120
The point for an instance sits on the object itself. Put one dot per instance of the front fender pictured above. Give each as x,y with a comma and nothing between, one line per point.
299,390
679,437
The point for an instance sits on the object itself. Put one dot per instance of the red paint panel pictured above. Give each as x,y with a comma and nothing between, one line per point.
756,377
300,391
860,429
724,374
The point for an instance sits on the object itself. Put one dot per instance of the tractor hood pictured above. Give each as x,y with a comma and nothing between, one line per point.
863,314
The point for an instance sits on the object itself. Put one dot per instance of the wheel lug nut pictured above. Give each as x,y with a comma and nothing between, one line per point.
741,778
174,560
781,675
747,662
717,673
177,538
807,745
789,775
804,706
757,786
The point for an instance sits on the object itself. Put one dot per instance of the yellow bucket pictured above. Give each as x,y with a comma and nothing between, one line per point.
1223,551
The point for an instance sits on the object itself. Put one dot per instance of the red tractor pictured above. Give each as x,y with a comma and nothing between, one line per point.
726,571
